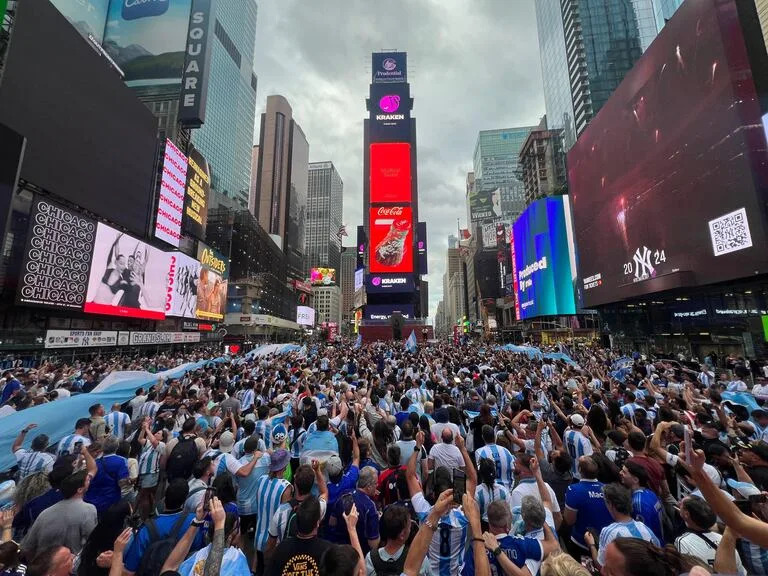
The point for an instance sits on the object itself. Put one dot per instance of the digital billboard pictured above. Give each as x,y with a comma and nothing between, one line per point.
322,276
389,283
544,259
485,205
148,40
212,286
385,311
305,316
197,194
170,202
421,246
359,278
57,257
181,293
390,172
87,16
665,179
128,277
389,67
390,231
390,113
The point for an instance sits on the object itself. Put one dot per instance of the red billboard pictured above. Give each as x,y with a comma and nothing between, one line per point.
390,232
390,172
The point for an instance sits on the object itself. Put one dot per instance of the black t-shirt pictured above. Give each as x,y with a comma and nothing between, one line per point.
297,557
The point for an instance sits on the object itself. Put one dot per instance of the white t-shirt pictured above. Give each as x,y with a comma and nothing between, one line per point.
447,455
528,487
693,544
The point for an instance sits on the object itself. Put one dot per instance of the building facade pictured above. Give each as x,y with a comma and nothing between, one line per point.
347,280
325,206
227,135
296,205
542,163
327,303
762,13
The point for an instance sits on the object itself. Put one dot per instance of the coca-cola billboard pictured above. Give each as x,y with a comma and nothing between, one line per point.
390,232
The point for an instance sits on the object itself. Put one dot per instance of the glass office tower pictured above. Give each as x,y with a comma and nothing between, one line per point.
226,138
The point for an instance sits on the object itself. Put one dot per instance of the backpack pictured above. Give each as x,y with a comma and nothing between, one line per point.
182,459
159,549
290,524
388,567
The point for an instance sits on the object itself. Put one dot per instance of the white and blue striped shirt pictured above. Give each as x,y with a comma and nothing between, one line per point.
238,450
629,409
631,529
118,423
484,496
149,458
247,400
149,409
449,543
505,462
296,447
67,444
269,491
31,462
577,446
264,430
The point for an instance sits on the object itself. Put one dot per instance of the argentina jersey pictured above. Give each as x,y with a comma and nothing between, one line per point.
117,422
269,492
577,445
449,543
67,444
631,529
505,462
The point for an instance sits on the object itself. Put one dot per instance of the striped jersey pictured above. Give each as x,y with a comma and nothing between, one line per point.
149,409
631,529
295,441
247,400
577,445
149,458
449,543
278,525
269,491
31,462
238,450
505,462
264,429
118,423
629,409
484,496
755,557
67,444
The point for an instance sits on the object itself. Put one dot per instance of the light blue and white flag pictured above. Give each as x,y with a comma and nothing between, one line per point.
358,342
411,344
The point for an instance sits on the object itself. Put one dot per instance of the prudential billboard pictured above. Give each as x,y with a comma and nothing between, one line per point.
543,259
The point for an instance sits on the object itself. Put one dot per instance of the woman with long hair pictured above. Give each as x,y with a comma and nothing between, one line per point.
636,557
425,427
488,490
112,281
102,539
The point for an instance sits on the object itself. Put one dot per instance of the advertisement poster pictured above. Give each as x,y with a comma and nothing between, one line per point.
485,205
390,113
544,259
128,277
421,245
322,276
79,338
148,40
332,330
212,285
390,172
197,194
170,204
181,294
383,283
57,257
143,338
391,236
88,16
389,67
305,316
385,311
359,278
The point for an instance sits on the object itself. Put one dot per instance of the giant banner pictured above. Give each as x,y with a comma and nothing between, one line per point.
212,286
181,294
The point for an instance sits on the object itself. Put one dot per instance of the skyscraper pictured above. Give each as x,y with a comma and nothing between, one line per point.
586,49
279,199
325,203
227,135
347,281
665,8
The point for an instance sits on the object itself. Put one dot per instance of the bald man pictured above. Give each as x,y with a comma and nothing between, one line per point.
446,453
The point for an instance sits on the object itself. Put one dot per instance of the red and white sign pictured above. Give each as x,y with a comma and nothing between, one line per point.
391,240
170,206
390,172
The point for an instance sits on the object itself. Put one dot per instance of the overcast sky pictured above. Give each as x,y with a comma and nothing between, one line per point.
472,64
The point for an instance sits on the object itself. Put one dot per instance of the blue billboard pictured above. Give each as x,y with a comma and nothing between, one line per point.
389,67
390,113
544,260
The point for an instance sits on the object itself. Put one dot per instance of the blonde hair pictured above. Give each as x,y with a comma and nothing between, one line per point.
561,564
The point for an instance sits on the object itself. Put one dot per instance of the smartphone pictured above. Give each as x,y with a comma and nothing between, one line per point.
347,501
688,443
459,485
209,493
78,448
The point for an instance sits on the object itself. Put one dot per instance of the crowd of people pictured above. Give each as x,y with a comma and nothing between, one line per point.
350,460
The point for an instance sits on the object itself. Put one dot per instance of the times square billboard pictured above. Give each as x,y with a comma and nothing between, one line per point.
390,229
544,260
390,113
667,180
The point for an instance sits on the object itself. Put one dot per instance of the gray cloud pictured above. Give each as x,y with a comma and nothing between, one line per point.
473,65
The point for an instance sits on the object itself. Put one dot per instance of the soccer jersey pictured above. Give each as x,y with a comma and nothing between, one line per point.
118,423
149,458
646,508
577,445
484,496
67,444
278,524
247,485
631,529
269,491
522,551
31,462
505,462
264,430
586,499
446,550
247,400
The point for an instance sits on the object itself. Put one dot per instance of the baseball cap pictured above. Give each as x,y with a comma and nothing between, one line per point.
713,474
745,489
279,460
577,420
279,433
333,466
226,442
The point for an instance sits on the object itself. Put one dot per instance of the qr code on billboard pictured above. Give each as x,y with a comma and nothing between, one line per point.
730,232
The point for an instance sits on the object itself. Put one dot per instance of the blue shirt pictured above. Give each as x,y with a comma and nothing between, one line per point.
646,508
586,498
348,482
11,386
320,441
104,489
246,493
522,551
163,525
367,524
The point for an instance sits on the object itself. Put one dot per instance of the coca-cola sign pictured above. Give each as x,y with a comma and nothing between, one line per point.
391,211
391,248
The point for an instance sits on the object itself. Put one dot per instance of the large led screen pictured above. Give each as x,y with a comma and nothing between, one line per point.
57,257
198,192
391,240
421,245
385,311
544,259
212,285
663,180
390,172
390,113
322,276
171,198
389,67
128,277
181,294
